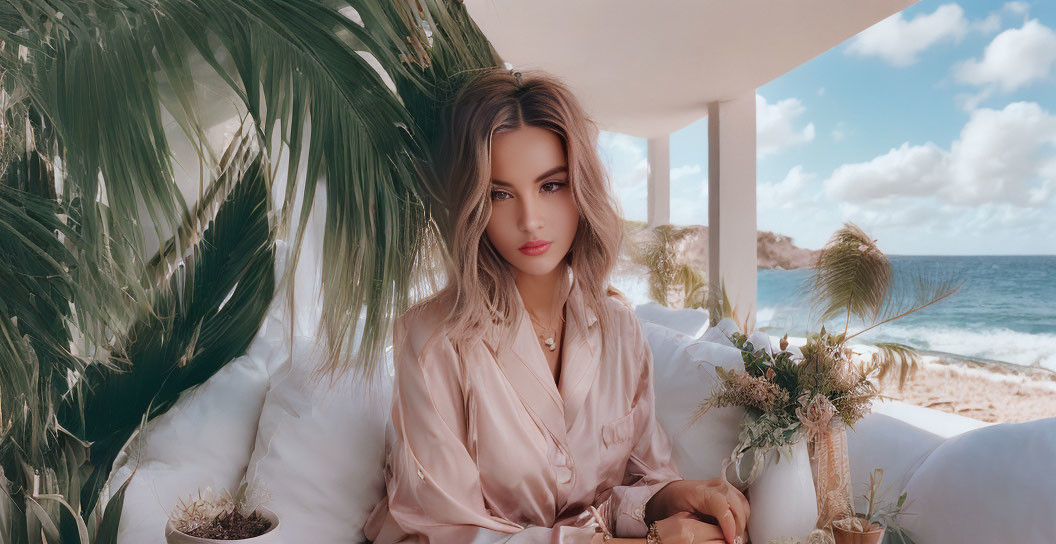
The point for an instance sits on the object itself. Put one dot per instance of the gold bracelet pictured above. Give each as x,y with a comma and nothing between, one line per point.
653,537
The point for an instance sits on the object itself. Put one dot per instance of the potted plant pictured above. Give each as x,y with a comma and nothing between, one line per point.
787,398
820,390
878,520
213,516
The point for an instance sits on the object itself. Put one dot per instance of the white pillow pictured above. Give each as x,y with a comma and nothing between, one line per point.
899,446
205,439
684,376
719,333
993,484
320,452
689,321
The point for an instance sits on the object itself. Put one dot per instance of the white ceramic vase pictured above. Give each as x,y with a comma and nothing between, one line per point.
782,498
271,536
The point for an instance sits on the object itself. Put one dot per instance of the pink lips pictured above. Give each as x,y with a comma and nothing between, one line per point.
537,249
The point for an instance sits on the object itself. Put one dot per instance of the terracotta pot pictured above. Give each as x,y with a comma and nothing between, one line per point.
271,536
875,535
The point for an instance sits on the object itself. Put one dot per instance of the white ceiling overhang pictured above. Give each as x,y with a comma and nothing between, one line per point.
649,68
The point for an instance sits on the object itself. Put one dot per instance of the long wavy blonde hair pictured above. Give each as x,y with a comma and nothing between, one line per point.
480,284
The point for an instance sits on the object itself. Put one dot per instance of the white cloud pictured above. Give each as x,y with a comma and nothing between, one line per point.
991,24
1000,152
840,132
1003,156
899,41
689,200
683,171
624,157
1015,58
1017,8
620,143
789,193
775,125
908,170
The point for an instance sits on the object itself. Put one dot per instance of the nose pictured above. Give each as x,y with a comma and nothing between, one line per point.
531,214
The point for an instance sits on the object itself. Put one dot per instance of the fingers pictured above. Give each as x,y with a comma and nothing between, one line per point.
728,523
738,504
706,532
719,507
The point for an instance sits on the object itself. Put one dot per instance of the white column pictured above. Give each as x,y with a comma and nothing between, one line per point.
659,184
731,202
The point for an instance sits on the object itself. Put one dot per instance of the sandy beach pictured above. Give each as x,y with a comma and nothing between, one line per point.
985,392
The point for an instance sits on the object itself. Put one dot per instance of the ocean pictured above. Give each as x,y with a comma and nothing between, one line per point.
1005,310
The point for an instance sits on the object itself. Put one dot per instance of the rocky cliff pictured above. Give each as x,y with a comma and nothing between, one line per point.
775,251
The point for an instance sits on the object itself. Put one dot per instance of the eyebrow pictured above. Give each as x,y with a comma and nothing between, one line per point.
541,177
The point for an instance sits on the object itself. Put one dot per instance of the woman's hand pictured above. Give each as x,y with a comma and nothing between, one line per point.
713,497
685,528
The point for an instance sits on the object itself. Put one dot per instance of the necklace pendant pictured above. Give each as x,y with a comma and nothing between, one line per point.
550,343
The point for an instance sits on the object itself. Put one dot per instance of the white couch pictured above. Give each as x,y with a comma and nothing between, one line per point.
319,453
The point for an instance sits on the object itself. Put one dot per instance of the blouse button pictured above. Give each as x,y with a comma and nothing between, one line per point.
421,474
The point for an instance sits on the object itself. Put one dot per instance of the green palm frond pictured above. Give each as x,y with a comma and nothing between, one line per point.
716,300
851,276
372,146
893,356
89,88
659,254
213,308
915,291
38,278
300,71
80,89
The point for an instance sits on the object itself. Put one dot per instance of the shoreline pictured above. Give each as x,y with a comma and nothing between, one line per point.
994,392
979,392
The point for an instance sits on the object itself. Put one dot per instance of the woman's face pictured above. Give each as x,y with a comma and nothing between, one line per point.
531,200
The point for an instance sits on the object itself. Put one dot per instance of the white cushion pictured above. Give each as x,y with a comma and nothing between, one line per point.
721,331
993,484
898,437
684,375
689,321
320,452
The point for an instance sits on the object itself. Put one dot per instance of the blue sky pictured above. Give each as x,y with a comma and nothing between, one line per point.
934,130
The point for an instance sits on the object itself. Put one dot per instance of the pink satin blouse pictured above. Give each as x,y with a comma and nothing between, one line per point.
487,448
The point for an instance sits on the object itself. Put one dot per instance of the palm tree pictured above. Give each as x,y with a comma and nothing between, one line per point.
98,333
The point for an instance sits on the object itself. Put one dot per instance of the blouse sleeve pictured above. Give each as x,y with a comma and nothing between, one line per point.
650,466
433,485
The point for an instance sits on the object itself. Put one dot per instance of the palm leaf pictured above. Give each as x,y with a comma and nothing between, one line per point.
298,61
914,291
213,308
35,338
111,519
851,276
288,62
892,357
659,254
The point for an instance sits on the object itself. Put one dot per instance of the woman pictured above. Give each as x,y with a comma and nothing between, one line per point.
523,405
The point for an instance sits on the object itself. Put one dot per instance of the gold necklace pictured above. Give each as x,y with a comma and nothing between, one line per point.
551,344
